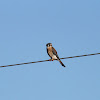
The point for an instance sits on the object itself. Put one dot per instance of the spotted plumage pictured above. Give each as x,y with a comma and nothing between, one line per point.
53,53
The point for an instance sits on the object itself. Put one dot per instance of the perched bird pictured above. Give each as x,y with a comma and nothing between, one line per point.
53,53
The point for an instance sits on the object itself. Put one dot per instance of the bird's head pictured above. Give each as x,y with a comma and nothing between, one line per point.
49,45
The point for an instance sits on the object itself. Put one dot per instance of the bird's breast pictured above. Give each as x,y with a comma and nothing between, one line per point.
51,53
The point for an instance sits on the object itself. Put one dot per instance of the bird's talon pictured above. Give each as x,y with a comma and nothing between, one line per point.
49,59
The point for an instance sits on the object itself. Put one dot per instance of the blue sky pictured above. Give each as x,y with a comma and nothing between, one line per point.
72,26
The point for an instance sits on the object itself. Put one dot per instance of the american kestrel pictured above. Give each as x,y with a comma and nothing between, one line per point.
53,53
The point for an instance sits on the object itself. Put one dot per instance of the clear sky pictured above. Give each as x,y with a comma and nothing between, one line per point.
72,26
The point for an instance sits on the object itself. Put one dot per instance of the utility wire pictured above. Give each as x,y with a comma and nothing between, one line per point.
49,60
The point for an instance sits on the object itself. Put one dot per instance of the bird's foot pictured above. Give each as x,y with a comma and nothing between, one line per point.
50,59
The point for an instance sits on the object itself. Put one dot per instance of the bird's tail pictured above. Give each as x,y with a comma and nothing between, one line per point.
61,63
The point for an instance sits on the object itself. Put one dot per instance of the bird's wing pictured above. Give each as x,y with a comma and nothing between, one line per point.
55,52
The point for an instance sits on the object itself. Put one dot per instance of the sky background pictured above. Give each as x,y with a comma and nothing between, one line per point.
72,26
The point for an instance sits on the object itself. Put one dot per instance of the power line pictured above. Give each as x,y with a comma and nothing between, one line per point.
49,60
